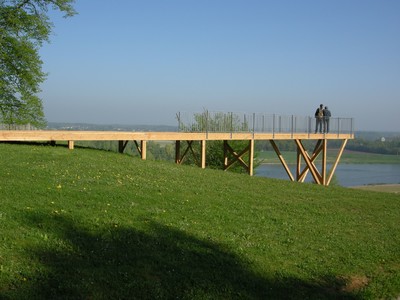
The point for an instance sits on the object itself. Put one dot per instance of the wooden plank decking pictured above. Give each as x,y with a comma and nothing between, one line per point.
65,135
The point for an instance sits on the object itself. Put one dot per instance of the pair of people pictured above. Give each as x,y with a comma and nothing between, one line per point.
322,116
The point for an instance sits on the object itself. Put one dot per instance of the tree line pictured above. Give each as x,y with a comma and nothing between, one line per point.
380,146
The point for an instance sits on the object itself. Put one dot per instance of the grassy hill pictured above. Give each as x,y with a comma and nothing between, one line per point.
90,224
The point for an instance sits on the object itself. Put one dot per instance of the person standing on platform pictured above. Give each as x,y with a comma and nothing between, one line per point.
319,118
327,115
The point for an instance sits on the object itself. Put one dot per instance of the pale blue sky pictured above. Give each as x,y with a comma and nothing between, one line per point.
140,62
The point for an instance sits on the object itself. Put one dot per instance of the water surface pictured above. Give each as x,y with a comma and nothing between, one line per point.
346,174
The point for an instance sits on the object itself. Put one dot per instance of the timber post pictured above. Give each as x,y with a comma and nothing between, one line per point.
251,157
178,152
203,154
122,146
144,149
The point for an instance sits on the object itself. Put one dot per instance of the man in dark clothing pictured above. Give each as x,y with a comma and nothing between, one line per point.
327,115
319,117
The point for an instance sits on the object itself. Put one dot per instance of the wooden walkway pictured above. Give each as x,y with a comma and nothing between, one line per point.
322,177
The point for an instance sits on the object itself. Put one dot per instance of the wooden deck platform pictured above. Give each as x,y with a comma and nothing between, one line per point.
123,137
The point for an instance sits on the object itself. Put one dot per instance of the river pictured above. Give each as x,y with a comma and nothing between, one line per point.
346,174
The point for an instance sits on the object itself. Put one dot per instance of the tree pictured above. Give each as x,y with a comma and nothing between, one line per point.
24,27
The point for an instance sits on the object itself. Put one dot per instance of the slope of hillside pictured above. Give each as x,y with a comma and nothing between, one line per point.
90,224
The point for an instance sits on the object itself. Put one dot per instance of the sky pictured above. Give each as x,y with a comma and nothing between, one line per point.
142,62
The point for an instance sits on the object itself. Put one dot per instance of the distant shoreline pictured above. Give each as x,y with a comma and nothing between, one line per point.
389,188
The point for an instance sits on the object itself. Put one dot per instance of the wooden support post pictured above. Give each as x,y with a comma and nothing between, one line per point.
193,153
141,149
189,147
237,157
336,162
177,152
203,154
122,146
251,157
70,145
180,158
309,162
283,162
324,156
186,151
315,153
298,168
225,154
144,149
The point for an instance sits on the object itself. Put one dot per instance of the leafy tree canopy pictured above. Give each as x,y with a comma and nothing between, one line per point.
24,27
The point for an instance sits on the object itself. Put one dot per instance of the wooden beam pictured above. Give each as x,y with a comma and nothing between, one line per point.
193,153
122,146
185,152
314,171
237,157
71,145
317,150
298,165
180,158
138,147
282,160
142,149
66,135
332,171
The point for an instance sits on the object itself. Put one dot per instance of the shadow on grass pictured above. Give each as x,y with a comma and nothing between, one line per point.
157,263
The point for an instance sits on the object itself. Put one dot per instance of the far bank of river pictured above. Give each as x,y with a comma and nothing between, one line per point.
346,174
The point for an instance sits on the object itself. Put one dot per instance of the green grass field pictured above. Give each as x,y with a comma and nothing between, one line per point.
91,224
388,188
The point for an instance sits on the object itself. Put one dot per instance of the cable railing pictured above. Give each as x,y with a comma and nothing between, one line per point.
231,122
